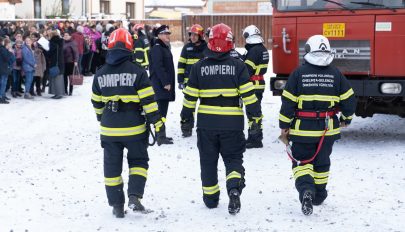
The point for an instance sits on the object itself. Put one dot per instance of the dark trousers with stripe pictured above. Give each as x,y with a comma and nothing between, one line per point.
259,136
163,107
231,145
312,176
137,157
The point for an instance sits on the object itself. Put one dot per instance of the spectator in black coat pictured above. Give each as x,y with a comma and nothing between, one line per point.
162,70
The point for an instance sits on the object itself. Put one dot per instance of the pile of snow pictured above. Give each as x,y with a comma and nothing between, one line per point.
51,176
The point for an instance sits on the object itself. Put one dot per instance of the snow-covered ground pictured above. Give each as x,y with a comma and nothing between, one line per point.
51,176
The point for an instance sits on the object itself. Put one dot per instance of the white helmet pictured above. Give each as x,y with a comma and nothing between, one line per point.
252,35
318,52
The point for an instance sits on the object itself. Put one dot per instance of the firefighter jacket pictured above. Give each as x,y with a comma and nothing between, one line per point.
162,71
257,61
141,49
221,82
190,54
125,86
235,54
316,88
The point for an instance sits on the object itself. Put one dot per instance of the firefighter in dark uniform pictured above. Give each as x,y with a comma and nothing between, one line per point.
308,118
191,53
256,60
221,82
121,93
141,46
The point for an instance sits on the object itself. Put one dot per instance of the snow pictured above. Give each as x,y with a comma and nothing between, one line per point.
51,175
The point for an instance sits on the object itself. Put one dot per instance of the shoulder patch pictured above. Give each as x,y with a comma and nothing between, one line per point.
189,48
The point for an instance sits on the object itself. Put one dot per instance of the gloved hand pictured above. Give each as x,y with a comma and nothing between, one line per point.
187,127
255,125
160,131
181,86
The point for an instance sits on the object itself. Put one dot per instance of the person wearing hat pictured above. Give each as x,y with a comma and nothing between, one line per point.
121,93
141,45
162,73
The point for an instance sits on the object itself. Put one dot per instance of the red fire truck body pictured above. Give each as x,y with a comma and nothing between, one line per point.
367,39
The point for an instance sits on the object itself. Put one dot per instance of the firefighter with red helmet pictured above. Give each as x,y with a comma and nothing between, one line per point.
256,60
121,93
308,118
221,83
141,45
191,53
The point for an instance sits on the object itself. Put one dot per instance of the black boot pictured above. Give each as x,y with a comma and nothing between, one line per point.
254,139
118,211
186,133
306,206
161,137
3,101
14,94
135,204
234,202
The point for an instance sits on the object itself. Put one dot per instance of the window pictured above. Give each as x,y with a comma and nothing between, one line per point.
105,7
130,6
65,7
37,9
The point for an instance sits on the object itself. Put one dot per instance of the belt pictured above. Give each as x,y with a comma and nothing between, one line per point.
119,106
257,78
315,114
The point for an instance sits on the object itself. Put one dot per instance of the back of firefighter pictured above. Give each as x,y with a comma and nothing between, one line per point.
121,92
256,60
191,53
313,94
220,82
141,46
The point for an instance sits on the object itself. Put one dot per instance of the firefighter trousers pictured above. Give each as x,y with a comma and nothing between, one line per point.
312,176
231,146
258,137
137,157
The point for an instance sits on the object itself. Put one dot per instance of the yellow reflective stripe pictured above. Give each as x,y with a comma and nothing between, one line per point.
191,91
219,110
124,131
146,92
159,124
211,190
346,95
321,181
189,104
347,118
146,57
259,68
233,174
318,98
186,80
246,88
250,99
99,111
180,71
96,98
290,96
124,98
192,61
152,107
139,60
138,171
217,92
114,181
321,175
260,87
307,133
297,124
303,170
284,118
139,49
250,63
182,60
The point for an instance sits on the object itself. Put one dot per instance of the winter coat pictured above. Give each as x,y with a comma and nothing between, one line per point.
162,71
93,36
55,54
40,60
70,51
79,39
28,64
18,56
4,61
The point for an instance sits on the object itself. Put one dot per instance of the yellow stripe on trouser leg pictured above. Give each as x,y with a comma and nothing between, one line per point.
138,171
211,190
233,175
321,177
113,181
307,169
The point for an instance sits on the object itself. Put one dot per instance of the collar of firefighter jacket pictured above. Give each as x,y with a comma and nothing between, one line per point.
319,58
216,55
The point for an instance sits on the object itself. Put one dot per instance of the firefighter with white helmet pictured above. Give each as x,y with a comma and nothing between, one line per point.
312,97
256,60
221,83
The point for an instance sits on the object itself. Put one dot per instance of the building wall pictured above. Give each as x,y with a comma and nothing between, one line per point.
7,10
241,6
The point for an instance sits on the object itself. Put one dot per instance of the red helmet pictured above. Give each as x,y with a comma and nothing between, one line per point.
139,26
220,38
120,35
196,29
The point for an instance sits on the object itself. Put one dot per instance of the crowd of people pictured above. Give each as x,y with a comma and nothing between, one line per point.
28,51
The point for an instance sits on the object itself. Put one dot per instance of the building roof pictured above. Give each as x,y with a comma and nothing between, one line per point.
174,3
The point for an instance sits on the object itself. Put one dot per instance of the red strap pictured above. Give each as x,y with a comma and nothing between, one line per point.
314,114
314,156
257,78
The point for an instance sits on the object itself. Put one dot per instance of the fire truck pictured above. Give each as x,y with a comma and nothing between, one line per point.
367,38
